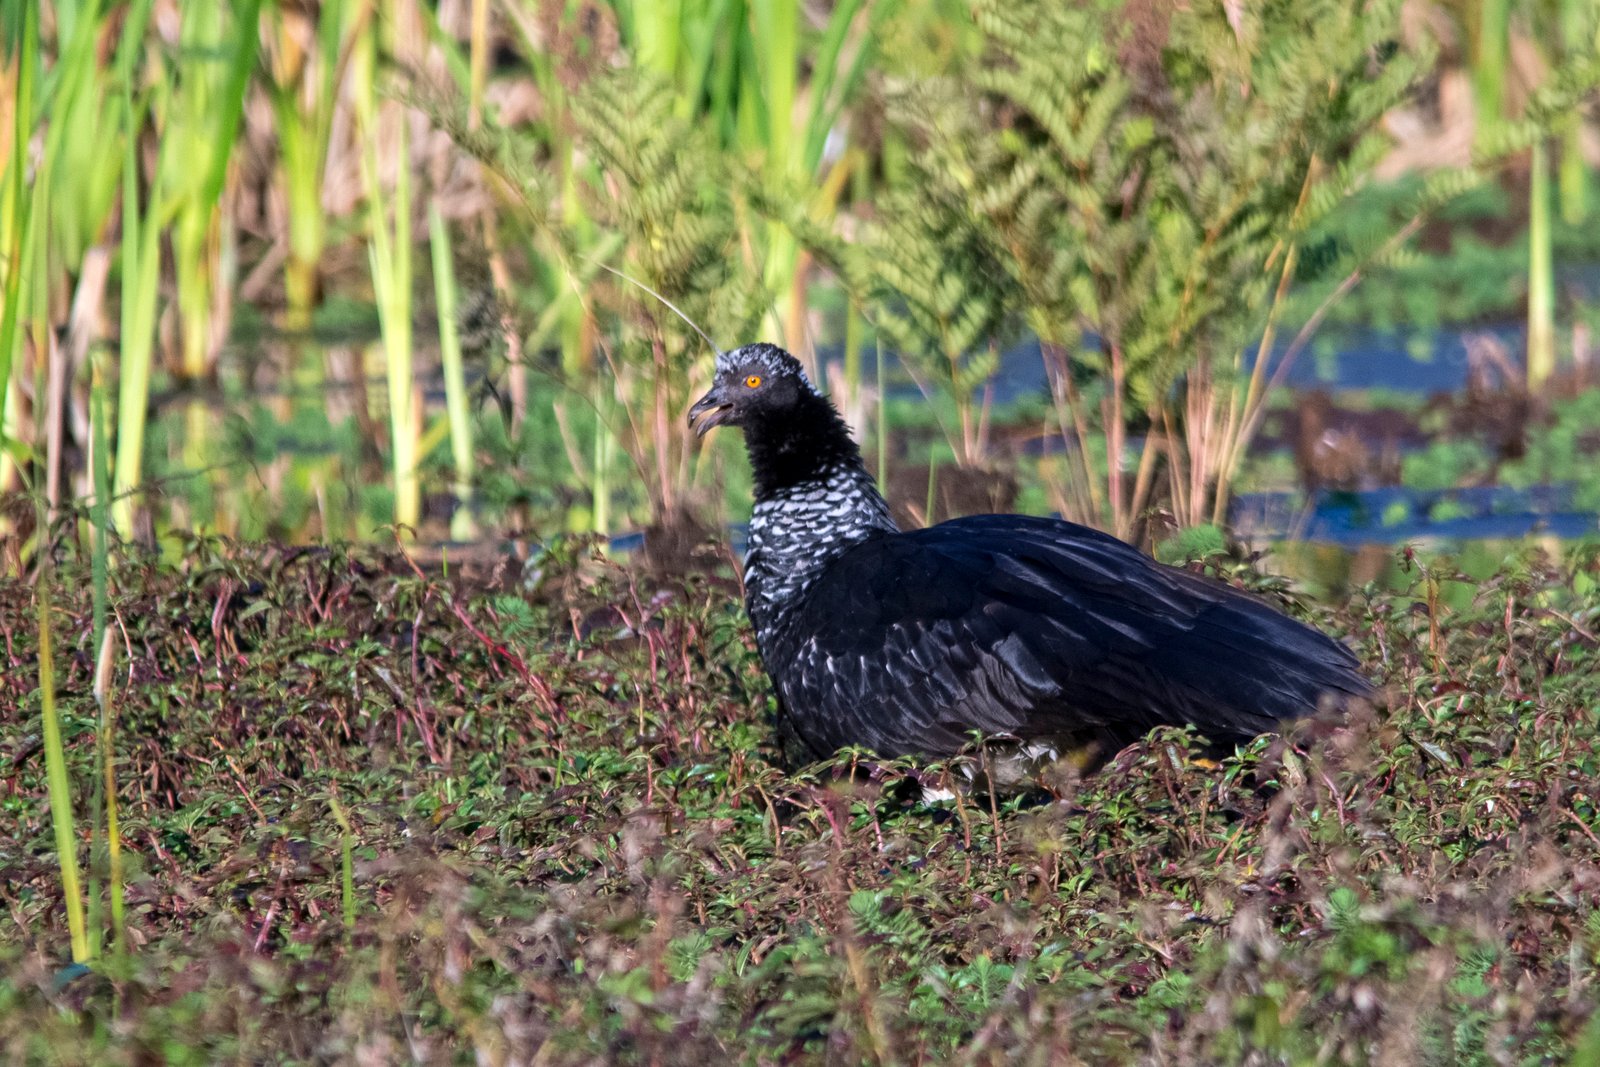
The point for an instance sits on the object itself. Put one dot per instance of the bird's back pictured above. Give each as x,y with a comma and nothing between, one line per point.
1039,629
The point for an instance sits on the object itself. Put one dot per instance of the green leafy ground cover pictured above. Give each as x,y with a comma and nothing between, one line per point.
567,841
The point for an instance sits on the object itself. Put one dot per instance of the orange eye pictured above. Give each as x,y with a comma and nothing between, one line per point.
753,381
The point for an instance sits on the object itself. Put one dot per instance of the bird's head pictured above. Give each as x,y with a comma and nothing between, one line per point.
755,380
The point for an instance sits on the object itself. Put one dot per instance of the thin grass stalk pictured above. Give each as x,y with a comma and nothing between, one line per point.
1070,412
1253,419
853,402
963,399
99,521
47,347
347,877
1541,273
661,428
389,255
462,526
1116,430
883,419
141,265
855,323
1307,331
1242,414
1202,427
33,304
1178,466
10,446
1144,477
605,451
104,824
599,516
59,787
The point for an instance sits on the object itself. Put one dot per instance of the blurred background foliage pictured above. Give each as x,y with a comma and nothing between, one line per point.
327,268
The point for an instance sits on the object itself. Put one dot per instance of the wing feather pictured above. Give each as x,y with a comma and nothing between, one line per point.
1037,628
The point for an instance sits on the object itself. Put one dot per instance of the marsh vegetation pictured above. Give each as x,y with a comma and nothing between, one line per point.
340,722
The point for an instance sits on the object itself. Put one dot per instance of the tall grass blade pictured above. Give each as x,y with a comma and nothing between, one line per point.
1490,59
141,266
303,87
658,24
777,38
1541,272
883,421
216,58
1573,176
347,867
83,136
390,257
604,446
777,43
99,520
13,218
462,525
832,82
60,789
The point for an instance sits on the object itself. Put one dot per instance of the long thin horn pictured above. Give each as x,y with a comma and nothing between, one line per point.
674,307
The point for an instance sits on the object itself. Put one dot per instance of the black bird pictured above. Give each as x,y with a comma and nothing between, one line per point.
1040,630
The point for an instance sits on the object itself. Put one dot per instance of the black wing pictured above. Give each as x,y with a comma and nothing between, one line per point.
1040,629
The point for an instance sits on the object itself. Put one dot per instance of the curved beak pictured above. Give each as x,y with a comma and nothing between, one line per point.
713,409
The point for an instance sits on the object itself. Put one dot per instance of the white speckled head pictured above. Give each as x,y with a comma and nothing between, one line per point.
770,360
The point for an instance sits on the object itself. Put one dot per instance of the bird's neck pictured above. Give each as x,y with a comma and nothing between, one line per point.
813,500
798,446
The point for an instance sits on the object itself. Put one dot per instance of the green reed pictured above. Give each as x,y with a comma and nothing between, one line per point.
14,219
462,524
773,91
60,788
105,738
211,73
1541,271
303,87
389,255
141,279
